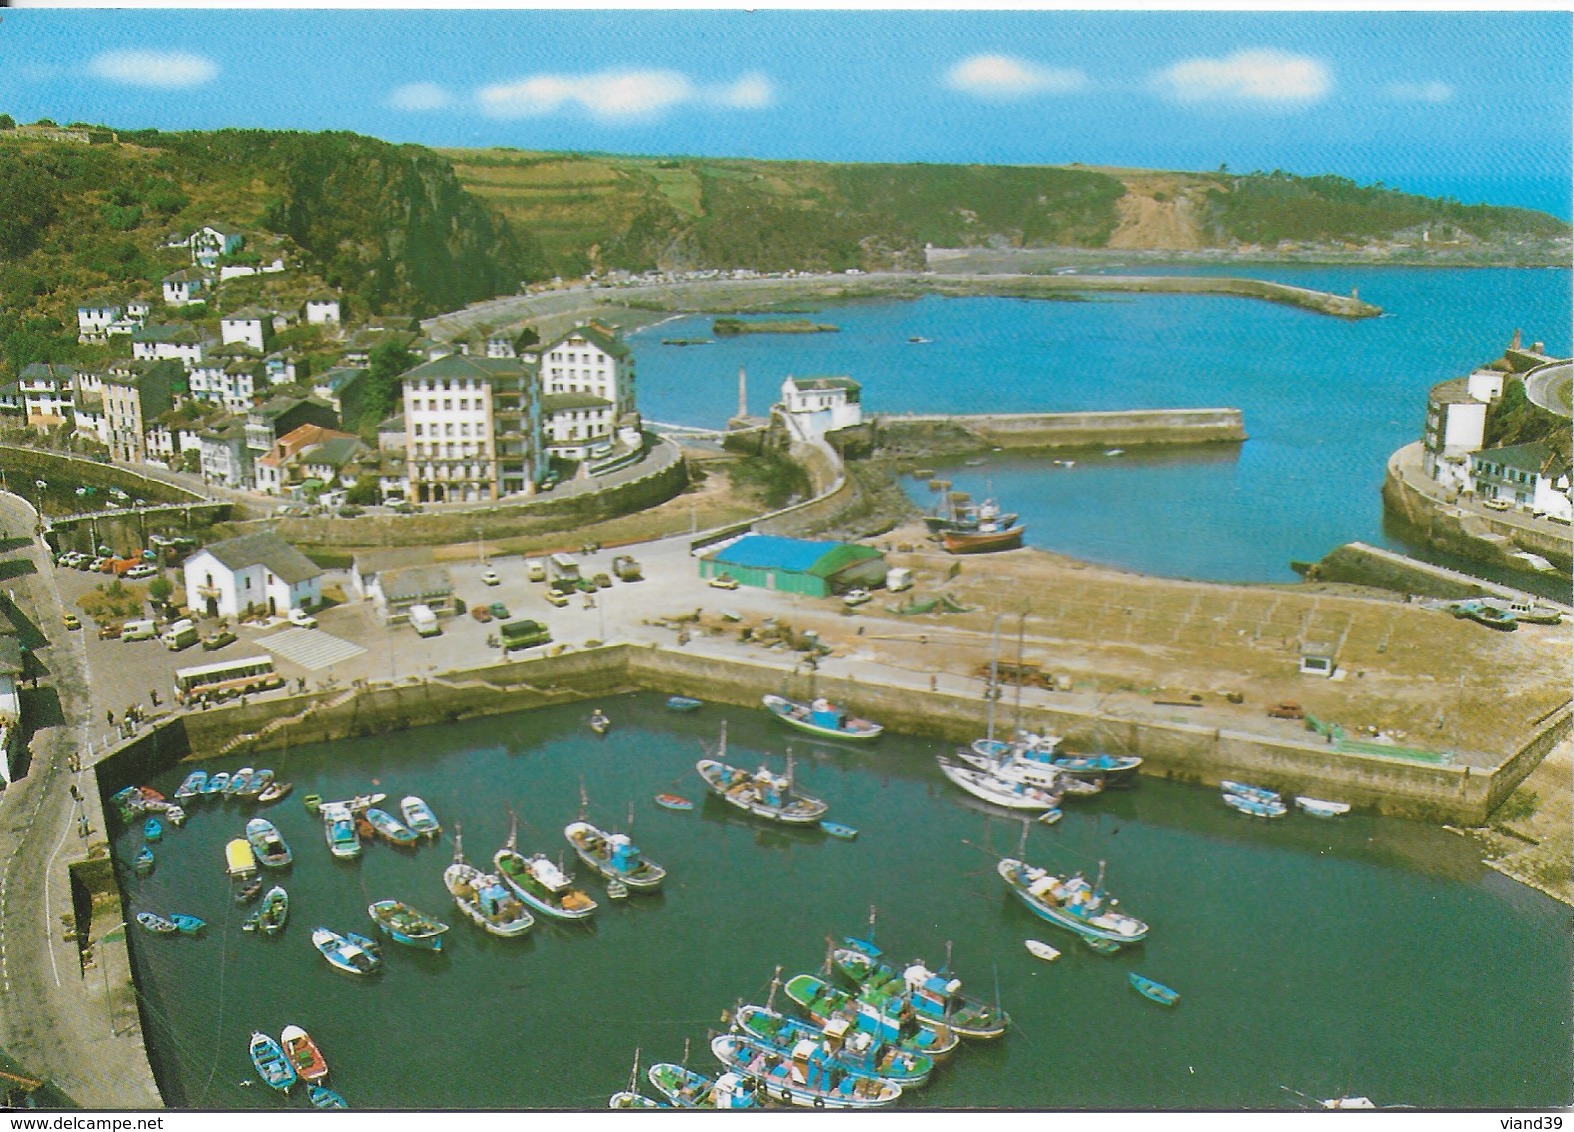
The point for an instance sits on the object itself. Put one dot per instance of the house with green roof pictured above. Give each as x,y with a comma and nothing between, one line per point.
591,360
472,428
814,406
1532,477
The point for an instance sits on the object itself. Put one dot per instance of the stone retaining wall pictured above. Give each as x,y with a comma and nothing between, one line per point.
1126,429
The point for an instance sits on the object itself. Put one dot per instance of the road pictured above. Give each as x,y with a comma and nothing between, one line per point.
81,1030
1552,388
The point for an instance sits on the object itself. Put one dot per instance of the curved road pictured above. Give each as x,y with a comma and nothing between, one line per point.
1552,388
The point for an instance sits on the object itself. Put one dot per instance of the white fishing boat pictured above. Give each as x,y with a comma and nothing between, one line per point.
419,817
484,898
986,787
761,793
338,829
1071,902
614,856
539,882
821,718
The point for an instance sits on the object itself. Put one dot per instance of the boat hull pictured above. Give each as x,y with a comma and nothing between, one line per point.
1011,796
1017,876
513,868
404,924
982,542
800,716
586,838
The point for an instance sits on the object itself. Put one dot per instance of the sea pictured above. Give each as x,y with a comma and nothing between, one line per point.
1314,958
1325,400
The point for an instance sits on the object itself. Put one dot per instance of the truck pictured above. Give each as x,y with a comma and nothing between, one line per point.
181,634
424,621
565,573
523,634
140,630
626,567
898,578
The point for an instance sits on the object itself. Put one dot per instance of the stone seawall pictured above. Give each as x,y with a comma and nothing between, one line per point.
1125,429
1174,749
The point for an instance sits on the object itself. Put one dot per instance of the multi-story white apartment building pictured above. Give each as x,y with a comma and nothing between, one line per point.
587,388
472,428
135,394
46,393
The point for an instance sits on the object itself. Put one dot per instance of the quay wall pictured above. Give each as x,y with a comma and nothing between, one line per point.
1126,428
1173,748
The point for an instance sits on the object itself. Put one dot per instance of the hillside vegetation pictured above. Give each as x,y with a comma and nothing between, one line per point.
601,212
389,225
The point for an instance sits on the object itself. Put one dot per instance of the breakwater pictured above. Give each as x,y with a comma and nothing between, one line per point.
1123,428
1175,749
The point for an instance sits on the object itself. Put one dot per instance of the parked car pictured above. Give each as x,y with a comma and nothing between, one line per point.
499,610
489,576
481,613
404,507
72,621
1496,504
556,598
856,597
143,571
109,632
302,619
218,640
350,511
1288,709
723,582
97,564
603,581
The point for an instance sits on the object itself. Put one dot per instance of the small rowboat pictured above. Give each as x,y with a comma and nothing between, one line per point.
190,925
152,829
247,888
303,1053
323,1097
192,786
673,802
313,803
1157,992
617,890
239,857
274,912
157,924
1321,809
391,829
599,723
267,846
1245,790
238,781
143,865
1256,807
216,784
275,791
255,785
683,703
419,817
272,1066
837,829
344,953
1041,950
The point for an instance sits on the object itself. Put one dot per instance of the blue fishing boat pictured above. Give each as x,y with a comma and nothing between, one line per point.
217,782
263,837
687,1089
323,1097
343,953
805,1076
1115,770
192,786
408,925
614,856
837,829
338,828
391,829
821,718
259,781
1245,790
683,703
272,1066
419,817
1149,989
893,1022
1072,903
857,1050
937,999
143,865
274,911
1256,807
152,830
188,925
239,781
761,793
538,881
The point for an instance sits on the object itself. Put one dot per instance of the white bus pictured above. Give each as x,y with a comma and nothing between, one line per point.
224,679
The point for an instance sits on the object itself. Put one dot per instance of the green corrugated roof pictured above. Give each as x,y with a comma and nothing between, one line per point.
1526,457
839,557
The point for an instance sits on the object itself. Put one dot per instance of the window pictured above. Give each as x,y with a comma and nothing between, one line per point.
418,431
448,404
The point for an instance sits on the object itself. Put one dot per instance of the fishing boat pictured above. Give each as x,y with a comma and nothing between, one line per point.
837,829
272,1066
1071,902
188,925
309,1063
805,1076
239,857
274,911
274,791
192,786
419,817
858,1050
217,783
1115,770
263,836
313,804
1321,809
246,888
614,856
1011,795
1041,950
761,793
143,865
821,718
673,802
406,925
1491,616
891,1021
986,538
1244,790
630,1097
484,898
1029,761
539,882
259,781
391,829
343,953
1526,611
157,924
1157,992
683,703
934,998
1256,807
238,782
956,511
338,828
325,1098
599,723
686,1088
152,830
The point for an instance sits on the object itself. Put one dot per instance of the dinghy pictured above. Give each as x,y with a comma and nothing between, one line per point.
303,1053
156,924
343,954
274,912
1321,809
419,817
1041,950
1157,992
272,1066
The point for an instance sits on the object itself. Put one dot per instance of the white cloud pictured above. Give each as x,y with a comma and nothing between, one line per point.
1003,77
420,96
168,70
1433,91
619,95
1262,76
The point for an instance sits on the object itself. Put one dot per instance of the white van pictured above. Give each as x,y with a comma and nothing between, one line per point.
424,621
138,631
898,578
535,570
181,634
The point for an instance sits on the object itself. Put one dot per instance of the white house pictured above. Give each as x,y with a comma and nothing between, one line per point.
184,288
252,326
322,310
1531,477
232,384
211,241
815,406
256,573
46,393
395,580
577,426
95,319
161,340
139,309
225,458
589,359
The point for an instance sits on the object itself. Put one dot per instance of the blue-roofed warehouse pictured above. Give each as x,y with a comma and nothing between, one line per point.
795,565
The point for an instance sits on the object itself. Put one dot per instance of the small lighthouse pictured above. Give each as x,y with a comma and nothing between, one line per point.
743,394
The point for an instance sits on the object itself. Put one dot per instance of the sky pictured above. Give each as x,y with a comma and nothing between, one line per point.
1470,104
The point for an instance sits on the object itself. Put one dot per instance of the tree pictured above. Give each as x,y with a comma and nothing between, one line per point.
388,360
159,589
7,122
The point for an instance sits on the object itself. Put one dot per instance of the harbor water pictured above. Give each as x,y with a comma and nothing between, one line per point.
1357,955
1326,401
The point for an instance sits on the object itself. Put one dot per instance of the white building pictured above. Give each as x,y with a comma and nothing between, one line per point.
253,573
231,383
95,319
158,341
212,241
184,288
589,359
814,406
47,392
251,326
472,428
1530,477
323,310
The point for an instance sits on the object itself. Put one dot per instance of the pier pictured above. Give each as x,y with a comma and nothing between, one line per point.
1125,428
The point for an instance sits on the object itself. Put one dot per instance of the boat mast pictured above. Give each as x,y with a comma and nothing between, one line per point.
1022,842
459,844
1021,635
634,1073
512,844
994,678
1098,888
770,999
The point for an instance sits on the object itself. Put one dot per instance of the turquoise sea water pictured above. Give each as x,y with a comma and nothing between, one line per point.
1325,400
1363,955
